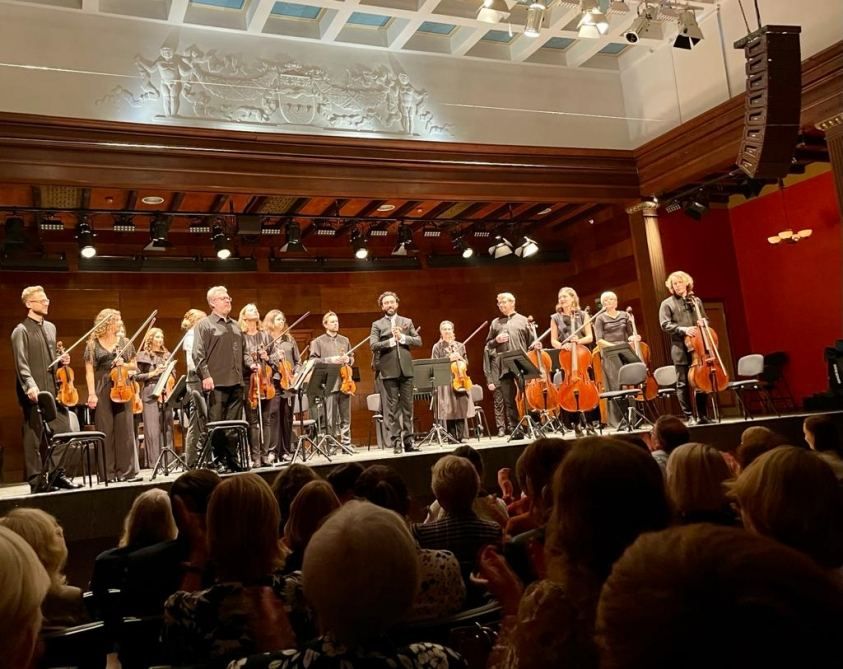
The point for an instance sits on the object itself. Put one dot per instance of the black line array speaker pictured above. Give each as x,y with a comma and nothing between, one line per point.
773,100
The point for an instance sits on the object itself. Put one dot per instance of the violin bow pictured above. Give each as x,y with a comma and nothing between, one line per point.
476,330
586,321
264,347
147,324
78,341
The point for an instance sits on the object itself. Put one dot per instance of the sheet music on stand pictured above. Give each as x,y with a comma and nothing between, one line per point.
518,364
429,374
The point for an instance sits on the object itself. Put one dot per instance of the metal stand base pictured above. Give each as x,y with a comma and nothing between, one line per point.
168,466
305,453
527,426
438,435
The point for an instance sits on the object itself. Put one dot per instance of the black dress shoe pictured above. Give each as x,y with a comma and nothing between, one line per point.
130,479
64,483
411,449
397,451
39,486
518,434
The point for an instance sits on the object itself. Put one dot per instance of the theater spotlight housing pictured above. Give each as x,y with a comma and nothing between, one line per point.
464,249
689,31
501,248
221,244
292,230
405,240
85,238
358,243
642,27
527,247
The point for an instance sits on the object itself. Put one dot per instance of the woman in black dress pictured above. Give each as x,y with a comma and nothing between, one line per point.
151,360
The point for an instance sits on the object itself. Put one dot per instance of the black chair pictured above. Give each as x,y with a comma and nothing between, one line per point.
750,367
66,442
775,382
481,425
631,378
82,646
139,642
240,429
373,403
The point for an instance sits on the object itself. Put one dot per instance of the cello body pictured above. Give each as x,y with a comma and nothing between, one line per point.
597,368
706,373
540,393
577,391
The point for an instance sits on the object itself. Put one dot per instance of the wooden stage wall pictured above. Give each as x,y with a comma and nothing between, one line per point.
464,295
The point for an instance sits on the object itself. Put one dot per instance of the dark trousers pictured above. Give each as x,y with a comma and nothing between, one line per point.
509,388
259,449
31,434
191,446
398,394
683,391
225,403
500,415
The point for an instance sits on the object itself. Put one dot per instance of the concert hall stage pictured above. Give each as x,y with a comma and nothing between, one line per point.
92,517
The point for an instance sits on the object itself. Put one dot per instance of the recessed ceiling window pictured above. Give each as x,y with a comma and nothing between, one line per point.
225,4
501,36
559,43
436,28
368,20
292,10
614,49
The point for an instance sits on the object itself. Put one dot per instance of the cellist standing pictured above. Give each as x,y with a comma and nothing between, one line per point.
453,408
678,318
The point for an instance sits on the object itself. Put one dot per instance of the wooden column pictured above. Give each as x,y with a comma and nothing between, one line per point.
650,268
833,128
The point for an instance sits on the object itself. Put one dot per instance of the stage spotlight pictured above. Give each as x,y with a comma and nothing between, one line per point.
500,248
159,231
405,240
358,243
464,249
642,26
493,11
535,16
292,230
14,231
689,31
527,247
593,23
751,188
221,243
697,205
85,238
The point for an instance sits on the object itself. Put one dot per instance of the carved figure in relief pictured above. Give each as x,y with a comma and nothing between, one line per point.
170,68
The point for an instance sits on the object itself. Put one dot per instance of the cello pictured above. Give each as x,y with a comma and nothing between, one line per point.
642,350
540,393
461,382
706,373
577,393
67,394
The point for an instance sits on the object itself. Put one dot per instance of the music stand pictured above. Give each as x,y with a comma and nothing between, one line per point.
322,382
302,379
429,374
519,365
167,451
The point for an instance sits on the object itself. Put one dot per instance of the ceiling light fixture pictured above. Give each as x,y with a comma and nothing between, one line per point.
535,17
386,207
431,231
593,23
85,238
790,236
51,223
15,235
697,205
159,231
358,243
642,26
152,199
123,223
405,240
221,243
464,249
526,247
493,11
689,31
544,211
292,230
501,248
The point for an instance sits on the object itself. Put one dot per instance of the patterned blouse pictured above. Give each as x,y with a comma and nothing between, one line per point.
323,653
442,591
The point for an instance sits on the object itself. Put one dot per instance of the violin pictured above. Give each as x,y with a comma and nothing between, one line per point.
123,389
286,373
540,393
461,382
642,350
347,384
67,394
137,400
260,383
577,392
706,373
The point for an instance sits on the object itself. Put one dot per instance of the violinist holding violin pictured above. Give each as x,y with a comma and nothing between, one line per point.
256,364
114,419
152,358
677,316
33,349
333,348
285,359
452,407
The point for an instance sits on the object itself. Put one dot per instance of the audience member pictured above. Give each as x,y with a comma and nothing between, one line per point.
441,588
668,433
696,482
23,585
62,606
822,436
486,506
358,603
244,611
156,572
792,496
342,479
755,441
678,598
605,493
286,486
455,484
314,503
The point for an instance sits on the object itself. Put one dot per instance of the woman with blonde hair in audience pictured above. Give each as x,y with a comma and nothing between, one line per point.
790,495
605,494
313,504
361,575
244,612
23,585
697,476
63,606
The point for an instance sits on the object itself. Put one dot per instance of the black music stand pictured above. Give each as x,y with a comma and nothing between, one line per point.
309,383
428,375
167,451
518,364
322,382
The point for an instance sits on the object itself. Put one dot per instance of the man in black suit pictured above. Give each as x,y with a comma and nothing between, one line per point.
390,340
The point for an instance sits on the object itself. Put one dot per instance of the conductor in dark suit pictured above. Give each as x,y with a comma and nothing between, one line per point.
390,340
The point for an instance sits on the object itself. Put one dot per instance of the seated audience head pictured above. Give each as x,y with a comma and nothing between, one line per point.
44,534
23,585
822,435
669,433
678,597
314,503
360,572
696,478
382,485
243,520
189,495
605,493
789,494
455,484
149,521
755,441
343,478
541,459
473,456
635,440
286,486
